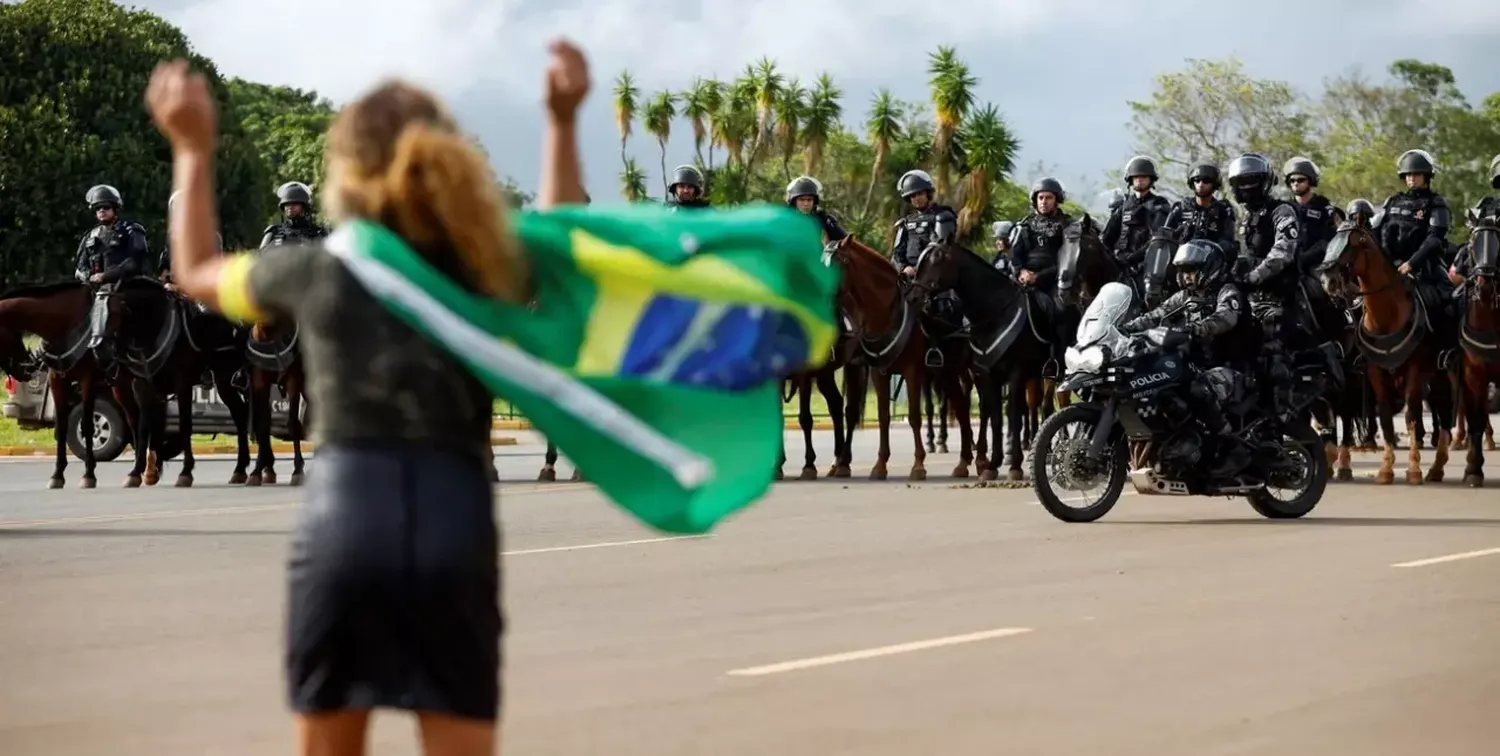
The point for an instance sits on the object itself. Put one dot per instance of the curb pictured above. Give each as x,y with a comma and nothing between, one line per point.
280,447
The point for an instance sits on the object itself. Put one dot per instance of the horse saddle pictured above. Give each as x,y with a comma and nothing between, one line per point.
275,354
1041,309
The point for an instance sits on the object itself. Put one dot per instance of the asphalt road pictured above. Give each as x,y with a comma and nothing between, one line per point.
835,617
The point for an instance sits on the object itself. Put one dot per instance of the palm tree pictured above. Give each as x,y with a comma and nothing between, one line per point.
989,152
698,105
882,126
633,182
791,106
768,85
734,121
952,97
660,111
820,121
627,101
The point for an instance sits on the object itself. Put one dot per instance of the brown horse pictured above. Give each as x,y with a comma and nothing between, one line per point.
1400,336
275,361
59,314
1479,335
886,323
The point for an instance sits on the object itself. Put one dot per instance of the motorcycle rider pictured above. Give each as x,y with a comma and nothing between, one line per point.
1412,227
804,194
298,223
1486,211
1036,242
1270,232
1209,310
1140,213
1318,219
1204,216
686,189
1001,232
1360,212
112,251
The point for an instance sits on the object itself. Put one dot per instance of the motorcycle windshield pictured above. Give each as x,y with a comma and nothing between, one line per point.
1105,313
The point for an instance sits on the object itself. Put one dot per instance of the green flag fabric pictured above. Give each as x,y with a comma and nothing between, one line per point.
653,352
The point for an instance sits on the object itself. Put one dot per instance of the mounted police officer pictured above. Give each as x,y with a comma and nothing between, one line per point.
1140,213
1035,242
1361,212
805,194
1204,216
925,223
1486,211
1318,219
1412,226
686,189
1210,309
298,223
1270,231
112,251
1001,232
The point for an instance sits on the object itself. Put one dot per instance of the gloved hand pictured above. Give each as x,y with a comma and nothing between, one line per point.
1175,337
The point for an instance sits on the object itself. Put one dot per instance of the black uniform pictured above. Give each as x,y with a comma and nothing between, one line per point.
1269,232
117,251
919,228
1131,224
1413,228
299,230
1317,223
1487,211
1189,220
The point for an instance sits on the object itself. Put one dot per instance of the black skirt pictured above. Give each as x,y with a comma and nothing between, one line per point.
394,584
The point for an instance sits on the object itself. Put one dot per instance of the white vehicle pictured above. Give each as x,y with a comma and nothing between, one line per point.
30,405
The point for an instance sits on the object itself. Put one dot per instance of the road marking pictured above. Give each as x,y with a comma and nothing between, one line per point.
1448,558
606,544
872,653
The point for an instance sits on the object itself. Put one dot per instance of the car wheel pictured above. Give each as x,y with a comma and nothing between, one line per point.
111,434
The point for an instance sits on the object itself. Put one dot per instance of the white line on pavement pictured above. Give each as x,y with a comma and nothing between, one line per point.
606,544
1448,558
872,653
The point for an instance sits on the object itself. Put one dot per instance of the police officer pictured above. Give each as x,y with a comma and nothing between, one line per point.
115,249
1413,224
686,189
805,195
1204,216
1269,231
926,222
298,223
1037,240
1143,211
1210,309
1001,232
1361,212
1486,211
1317,218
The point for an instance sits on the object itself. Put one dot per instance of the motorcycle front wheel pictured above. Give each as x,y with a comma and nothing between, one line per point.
1060,466
1301,476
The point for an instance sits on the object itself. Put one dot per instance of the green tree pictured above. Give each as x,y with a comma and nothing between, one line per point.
71,116
287,126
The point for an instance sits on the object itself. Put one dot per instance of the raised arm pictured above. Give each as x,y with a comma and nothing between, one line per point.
567,85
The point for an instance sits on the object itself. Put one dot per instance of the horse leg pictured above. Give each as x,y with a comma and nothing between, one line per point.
260,424
926,406
956,395
154,416
294,398
805,422
883,411
239,412
1489,433
1461,436
857,388
1342,469
1475,385
1016,405
917,373
982,443
1414,406
1444,404
142,433
1387,416
944,408
828,386
1323,416
549,464
61,408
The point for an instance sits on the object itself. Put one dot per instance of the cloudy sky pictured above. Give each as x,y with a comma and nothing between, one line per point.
1060,70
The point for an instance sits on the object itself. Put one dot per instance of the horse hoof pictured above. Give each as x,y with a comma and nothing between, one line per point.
238,479
981,462
1015,474
842,471
1435,476
184,481
578,477
931,448
55,484
253,481
961,471
878,473
808,473
1385,478
132,481
268,478
1474,481
151,480
1414,477
942,448
296,480
1343,475
988,475
917,474
547,475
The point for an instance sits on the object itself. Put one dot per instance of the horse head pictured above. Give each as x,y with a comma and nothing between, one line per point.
1157,266
1484,263
50,311
869,283
1084,265
1352,257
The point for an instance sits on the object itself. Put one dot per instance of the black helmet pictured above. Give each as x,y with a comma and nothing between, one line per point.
1207,172
1204,257
1495,172
1251,171
1001,230
1300,166
803,186
1415,161
1048,184
686,174
1360,208
292,193
913,183
1140,165
104,194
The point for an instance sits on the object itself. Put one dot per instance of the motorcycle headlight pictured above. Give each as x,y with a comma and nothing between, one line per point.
1087,360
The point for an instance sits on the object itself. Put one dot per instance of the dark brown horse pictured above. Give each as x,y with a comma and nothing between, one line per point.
1479,335
886,323
58,313
275,361
1401,336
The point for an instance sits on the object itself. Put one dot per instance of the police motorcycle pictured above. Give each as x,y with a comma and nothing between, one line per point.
1137,422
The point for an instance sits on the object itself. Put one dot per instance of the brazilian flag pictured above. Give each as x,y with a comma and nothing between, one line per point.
653,353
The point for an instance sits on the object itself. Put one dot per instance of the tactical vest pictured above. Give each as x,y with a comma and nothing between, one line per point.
108,246
1135,222
1314,221
920,226
1046,239
1258,230
1203,222
1405,224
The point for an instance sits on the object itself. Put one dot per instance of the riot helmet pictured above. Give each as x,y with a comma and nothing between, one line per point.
1140,165
1250,178
1048,184
1200,265
1416,161
1001,230
1204,172
1360,211
293,193
913,183
686,175
104,195
803,186
1302,166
